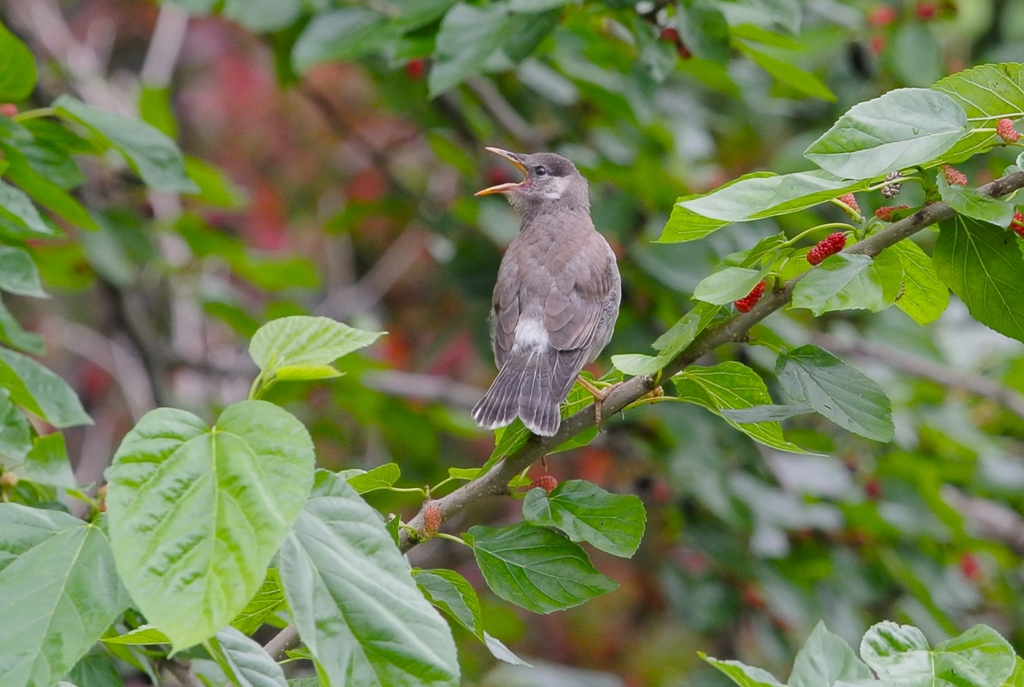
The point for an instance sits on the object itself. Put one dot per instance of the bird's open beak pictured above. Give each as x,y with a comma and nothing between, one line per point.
502,188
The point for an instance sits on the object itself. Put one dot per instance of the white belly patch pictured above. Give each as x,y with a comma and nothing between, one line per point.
531,333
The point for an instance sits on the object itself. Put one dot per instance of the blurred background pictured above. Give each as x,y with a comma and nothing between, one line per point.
337,156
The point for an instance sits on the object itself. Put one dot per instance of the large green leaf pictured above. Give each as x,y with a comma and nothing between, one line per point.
844,395
196,513
825,659
982,264
903,128
354,600
58,593
18,274
14,334
924,297
449,591
304,341
536,568
468,35
17,68
613,523
730,386
900,654
975,204
246,663
987,93
151,153
850,281
40,391
96,669
48,146
760,195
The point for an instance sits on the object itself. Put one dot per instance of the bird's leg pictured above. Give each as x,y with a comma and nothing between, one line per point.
599,396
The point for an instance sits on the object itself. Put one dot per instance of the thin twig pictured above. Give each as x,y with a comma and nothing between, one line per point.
504,113
988,519
283,642
182,671
922,367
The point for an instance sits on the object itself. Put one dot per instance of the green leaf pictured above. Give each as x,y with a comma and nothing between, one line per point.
732,386
155,108
1016,678
152,154
58,593
686,225
468,35
613,523
825,659
354,600
987,93
15,433
12,333
742,674
766,413
924,296
974,203
670,344
40,391
536,568
305,373
23,218
17,68
341,35
267,601
900,654
47,463
303,340
18,274
48,147
844,395
727,285
760,195
146,634
96,669
43,190
787,73
704,30
450,592
982,264
903,128
246,663
380,477
848,281
197,513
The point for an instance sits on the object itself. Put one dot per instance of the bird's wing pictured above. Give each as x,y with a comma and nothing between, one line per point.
505,314
573,308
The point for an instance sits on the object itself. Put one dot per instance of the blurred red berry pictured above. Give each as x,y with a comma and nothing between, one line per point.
431,521
415,68
886,212
873,489
747,303
882,16
8,109
669,34
545,482
1004,127
970,567
925,11
850,201
752,596
954,177
877,44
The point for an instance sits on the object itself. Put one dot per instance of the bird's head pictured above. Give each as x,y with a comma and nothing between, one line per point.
550,180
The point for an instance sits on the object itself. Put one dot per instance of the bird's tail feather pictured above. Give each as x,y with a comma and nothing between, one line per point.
523,387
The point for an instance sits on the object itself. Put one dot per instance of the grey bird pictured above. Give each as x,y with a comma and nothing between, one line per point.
556,298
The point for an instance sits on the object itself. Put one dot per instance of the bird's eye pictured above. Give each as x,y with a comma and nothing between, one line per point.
540,170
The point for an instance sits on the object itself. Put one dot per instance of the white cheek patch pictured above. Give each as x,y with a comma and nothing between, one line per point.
559,185
531,334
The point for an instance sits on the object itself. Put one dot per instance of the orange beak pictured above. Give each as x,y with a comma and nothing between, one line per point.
503,188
